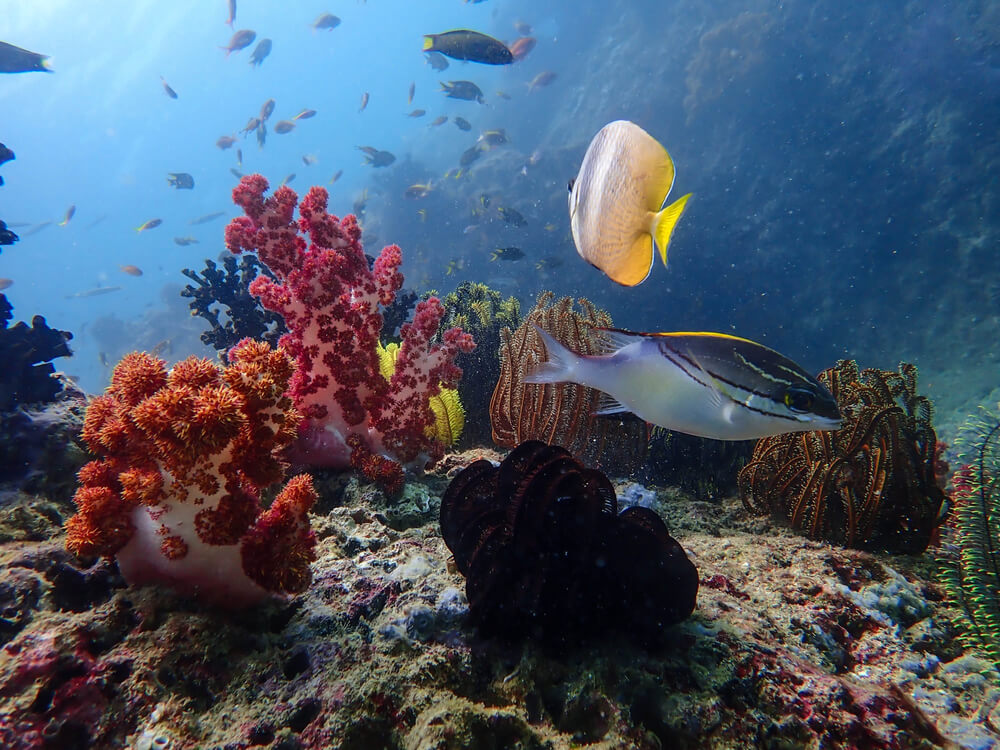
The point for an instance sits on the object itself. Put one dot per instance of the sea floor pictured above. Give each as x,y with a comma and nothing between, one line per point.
794,644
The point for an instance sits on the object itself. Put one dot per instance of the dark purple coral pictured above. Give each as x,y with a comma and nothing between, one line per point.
546,553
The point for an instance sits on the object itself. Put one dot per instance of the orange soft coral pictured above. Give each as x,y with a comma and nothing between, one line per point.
182,459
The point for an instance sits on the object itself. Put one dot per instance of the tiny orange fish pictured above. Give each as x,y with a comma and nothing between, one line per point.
131,270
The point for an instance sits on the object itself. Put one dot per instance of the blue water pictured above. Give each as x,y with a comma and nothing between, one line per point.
840,160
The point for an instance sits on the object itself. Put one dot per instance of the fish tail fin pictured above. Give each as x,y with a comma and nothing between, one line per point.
560,365
664,223
428,43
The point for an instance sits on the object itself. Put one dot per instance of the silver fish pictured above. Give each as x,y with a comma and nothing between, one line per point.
706,384
94,292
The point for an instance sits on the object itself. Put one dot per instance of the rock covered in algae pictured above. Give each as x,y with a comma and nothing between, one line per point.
794,644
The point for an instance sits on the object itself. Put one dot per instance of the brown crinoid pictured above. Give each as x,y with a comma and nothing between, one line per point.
546,554
561,413
870,484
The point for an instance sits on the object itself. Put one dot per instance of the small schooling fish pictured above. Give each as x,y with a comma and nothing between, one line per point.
541,80
710,385
94,292
466,90
507,253
326,21
207,218
151,224
520,48
473,46
418,190
260,52
436,60
240,40
167,89
180,180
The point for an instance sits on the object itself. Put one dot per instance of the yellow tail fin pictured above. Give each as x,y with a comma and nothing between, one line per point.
428,42
664,223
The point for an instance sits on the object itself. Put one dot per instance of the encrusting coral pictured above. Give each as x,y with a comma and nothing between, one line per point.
561,413
970,567
546,553
182,458
329,298
871,484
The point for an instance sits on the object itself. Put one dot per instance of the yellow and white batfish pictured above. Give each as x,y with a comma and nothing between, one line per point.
616,202
707,384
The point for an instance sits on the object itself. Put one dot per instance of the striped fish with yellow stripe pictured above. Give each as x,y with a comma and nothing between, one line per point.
707,384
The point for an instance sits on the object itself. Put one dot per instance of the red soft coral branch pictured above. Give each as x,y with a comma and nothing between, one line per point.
329,298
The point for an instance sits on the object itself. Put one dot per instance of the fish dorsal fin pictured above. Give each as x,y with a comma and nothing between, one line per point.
609,405
610,340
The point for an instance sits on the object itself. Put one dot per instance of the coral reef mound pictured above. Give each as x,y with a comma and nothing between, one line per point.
546,554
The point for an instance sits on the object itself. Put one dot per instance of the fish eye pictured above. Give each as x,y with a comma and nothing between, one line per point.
799,400
571,183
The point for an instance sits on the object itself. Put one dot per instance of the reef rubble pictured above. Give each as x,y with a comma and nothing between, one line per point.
794,643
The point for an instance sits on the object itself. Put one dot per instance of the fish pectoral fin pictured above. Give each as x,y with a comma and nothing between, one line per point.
609,405
718,396
729,411
664,222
